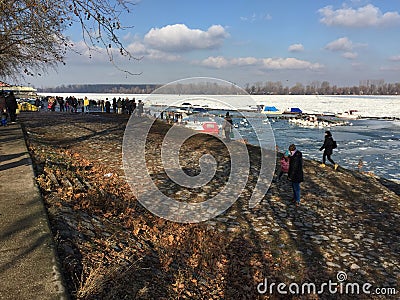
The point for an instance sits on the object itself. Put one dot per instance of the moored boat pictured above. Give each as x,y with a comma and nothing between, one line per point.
351,114
293,111
271,110
209,127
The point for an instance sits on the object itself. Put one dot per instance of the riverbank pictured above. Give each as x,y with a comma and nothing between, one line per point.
111,247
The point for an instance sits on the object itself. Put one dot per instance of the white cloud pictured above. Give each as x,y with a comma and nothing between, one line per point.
256,17
139,49
215,62
350,55
244,61
164,44
395,58
289,63
296,48
341,44
263,63
180,38
162,56
366,16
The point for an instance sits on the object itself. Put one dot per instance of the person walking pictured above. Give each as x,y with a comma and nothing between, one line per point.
227,126
328,146
295,174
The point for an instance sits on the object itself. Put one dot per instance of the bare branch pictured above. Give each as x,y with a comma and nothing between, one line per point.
32,32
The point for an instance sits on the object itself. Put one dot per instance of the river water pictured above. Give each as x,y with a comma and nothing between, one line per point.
374,142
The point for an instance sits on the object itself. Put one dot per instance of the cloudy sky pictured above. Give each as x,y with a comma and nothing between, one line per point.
250,41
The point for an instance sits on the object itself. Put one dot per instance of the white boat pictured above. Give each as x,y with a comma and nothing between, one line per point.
351,114
328,114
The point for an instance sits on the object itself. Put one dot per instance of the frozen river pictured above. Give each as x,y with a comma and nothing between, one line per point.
367,106
375,142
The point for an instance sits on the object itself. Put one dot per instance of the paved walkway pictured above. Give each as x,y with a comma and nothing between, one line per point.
28,265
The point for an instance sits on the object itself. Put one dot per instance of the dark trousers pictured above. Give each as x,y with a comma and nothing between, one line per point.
227,134
296,191
327,155
13,115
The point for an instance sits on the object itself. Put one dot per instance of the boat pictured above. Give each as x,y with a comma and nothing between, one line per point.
328,114
293,110
185,110
351,114
198,109
209,127
271,110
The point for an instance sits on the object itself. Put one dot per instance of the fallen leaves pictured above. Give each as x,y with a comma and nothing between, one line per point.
117,249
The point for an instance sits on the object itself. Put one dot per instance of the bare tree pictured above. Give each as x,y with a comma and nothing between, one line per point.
32,32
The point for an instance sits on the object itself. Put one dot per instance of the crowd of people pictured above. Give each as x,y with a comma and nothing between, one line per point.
85,105
291,162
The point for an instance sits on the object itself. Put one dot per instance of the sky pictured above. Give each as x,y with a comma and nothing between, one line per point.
245,42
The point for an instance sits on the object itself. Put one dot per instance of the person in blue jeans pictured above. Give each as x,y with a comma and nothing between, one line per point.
295,173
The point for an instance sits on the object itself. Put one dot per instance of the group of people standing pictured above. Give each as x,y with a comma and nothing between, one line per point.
292,164
118,106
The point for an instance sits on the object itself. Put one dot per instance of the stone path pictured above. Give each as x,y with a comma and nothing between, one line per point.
28,265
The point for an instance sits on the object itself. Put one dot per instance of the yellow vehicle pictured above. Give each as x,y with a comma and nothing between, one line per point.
27,105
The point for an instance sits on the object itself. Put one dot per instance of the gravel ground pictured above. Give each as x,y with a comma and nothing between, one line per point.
111,247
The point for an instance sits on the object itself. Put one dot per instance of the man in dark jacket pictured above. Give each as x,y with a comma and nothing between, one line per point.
11,103
328,149
295,173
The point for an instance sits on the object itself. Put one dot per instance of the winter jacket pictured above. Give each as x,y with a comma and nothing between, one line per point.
284,165
328,145
296,167
11,102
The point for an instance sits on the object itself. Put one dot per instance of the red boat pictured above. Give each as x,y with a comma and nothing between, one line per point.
206,127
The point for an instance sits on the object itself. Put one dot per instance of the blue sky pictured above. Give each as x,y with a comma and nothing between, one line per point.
341,42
